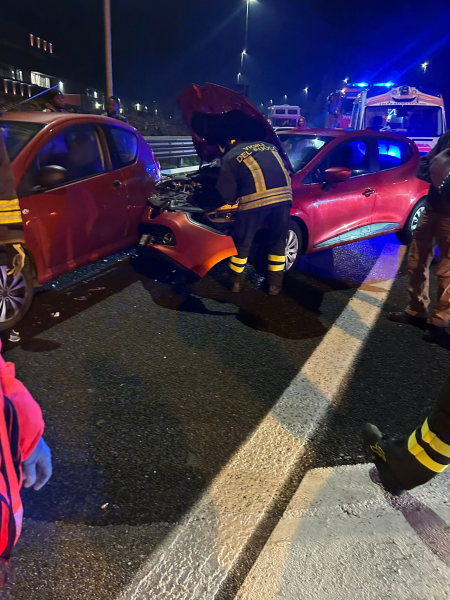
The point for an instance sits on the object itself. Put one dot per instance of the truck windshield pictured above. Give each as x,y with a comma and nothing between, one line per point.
411,121
301,149
17,134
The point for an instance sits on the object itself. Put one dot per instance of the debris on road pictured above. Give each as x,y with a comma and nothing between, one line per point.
81,298
55,315
14,336
105,506
97,289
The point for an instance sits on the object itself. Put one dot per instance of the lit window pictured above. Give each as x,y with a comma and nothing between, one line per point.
61,86
19,75
51,48
138,106
44,43
31,39
13,74
121,110
40,80
97,105
95,95
38,40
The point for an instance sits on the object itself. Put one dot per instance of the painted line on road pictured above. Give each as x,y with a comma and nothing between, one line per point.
198,555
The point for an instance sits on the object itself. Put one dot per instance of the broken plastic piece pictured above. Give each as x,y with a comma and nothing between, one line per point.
96,289
55,315
14,336
105,506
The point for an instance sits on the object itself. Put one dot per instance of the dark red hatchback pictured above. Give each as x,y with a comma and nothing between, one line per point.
83,182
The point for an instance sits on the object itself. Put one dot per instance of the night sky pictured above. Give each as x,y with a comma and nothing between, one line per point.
161,45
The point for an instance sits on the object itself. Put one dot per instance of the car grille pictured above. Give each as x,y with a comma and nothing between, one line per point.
157,235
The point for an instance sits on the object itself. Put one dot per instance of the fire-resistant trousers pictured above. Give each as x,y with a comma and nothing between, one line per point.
433,229
248,222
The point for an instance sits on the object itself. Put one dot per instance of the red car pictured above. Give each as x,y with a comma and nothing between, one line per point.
83,182
347,185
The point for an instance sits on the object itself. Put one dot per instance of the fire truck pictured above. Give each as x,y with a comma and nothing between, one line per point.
403,109
284,116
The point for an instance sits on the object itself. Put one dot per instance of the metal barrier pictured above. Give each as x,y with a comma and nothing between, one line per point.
172,153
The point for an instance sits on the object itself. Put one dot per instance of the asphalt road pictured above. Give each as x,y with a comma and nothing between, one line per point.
147,392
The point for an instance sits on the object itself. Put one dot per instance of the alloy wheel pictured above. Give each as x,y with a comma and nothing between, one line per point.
13,294
292,246
416,217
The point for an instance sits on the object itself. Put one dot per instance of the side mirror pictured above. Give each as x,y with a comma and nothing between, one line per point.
337,174
52,176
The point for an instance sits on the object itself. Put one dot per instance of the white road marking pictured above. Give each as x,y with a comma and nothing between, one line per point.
195,558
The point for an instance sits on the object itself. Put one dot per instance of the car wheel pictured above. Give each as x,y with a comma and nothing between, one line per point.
16,296
405,235
293,245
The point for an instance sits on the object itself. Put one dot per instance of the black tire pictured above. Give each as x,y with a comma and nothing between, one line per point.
16,296
405,235
294,245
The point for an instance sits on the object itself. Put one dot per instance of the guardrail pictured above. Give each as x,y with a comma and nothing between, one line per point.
175,154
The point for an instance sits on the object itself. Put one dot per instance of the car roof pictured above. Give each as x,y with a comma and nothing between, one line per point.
346,133
46,118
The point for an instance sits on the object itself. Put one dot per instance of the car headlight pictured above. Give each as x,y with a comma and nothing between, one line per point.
225,214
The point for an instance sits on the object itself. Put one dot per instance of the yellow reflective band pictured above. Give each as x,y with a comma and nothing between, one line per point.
286,174
280,192
432,439
276,267
9,204
239,261
7,218
276,258
234,268
417,450
257,174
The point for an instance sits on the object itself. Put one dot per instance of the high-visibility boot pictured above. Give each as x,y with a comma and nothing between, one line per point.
276,268
237,266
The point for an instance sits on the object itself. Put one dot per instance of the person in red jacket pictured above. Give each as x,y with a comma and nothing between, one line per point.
25,458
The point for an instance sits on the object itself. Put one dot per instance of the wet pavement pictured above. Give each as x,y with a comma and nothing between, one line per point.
148,390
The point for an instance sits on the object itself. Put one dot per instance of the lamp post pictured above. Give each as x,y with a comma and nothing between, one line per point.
424,66
247,15
108,50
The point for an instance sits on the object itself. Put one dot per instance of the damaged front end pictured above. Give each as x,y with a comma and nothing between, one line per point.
187,221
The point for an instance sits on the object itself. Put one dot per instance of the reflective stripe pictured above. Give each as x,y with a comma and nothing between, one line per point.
6,218
276,267
417,450
239,261
432,439
286,174
257,174
281,192
275,258
9,204
235,268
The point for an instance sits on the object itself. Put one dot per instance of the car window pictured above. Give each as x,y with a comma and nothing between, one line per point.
393,154
301,148
126,147
17,134
76,148
354,155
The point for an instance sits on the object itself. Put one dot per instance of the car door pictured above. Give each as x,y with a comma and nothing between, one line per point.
133,158
85,214
343,211
396,184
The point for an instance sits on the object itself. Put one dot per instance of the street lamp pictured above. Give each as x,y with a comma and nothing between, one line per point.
285,97
243,53
345,80
246,33
424,66
306,90
239,77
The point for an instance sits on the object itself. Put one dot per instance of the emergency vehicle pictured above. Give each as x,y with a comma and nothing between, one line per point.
284,116
403,109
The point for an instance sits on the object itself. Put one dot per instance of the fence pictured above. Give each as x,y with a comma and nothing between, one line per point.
175,154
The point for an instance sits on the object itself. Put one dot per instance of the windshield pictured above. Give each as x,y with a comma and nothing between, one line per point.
410,121
301,149
17,135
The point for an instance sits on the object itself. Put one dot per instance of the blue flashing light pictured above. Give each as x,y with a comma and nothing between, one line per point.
388,84
363,84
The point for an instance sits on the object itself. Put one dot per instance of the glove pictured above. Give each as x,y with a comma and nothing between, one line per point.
18,261
37,469
440,167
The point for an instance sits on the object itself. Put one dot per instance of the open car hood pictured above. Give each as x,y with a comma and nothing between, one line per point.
216,115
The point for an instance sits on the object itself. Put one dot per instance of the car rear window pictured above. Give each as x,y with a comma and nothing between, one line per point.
16,135
393,154
127,144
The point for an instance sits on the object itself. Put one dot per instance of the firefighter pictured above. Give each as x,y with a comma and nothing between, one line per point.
12,237
433,229
254,173
407,463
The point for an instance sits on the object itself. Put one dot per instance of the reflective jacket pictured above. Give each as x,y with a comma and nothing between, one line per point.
11,226
254,172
